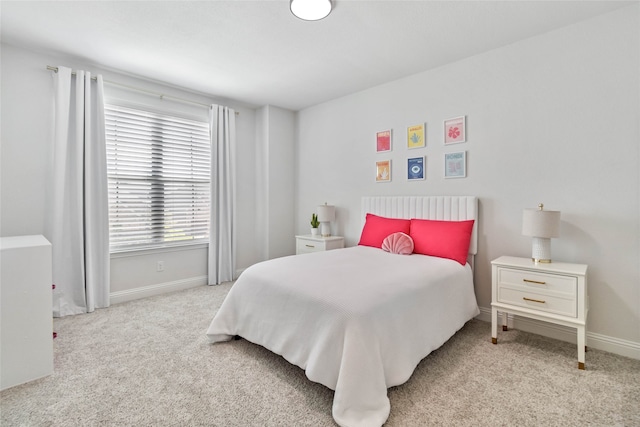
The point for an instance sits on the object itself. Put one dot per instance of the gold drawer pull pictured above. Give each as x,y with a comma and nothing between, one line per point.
533,300
534,281
310,246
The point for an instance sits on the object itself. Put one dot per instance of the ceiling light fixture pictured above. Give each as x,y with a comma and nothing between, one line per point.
310,10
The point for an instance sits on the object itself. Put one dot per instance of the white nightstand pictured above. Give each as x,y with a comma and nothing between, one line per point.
308,243
554,292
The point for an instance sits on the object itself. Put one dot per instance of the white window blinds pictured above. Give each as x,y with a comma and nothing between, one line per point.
158,169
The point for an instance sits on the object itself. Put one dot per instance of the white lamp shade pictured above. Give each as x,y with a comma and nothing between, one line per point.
326,213
541,223
310,10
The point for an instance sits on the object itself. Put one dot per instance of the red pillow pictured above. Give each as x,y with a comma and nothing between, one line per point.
444,239
377,228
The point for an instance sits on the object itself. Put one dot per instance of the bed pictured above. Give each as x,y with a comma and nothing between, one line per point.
358,320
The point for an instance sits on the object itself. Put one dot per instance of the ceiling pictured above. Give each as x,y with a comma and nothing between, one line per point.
258,53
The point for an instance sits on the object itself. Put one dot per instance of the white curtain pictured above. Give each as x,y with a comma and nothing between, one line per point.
222,226
78,216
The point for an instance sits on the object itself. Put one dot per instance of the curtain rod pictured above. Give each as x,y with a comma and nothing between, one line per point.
158,94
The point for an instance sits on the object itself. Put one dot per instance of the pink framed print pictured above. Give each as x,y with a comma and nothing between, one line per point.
455,130
383,141
383,171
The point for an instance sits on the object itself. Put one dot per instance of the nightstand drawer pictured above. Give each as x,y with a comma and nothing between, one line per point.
551,293
538,281
307,246
550,302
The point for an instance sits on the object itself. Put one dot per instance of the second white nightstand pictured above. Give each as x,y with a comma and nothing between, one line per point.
308,243
554,292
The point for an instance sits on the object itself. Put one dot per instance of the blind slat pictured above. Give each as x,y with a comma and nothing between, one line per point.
159,170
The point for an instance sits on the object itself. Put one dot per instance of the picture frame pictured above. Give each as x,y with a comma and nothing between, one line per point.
383,171
455,130
383,141
455,164
416,137
416,168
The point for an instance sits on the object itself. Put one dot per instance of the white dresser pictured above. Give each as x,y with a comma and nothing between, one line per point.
26,320
554,292
308,243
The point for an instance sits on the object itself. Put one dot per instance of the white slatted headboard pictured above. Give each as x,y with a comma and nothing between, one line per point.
444,208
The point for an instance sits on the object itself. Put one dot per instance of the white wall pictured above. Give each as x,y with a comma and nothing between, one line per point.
551,119
25,157
281,178
275,135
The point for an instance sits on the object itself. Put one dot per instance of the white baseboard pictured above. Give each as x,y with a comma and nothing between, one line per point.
157,289
598,341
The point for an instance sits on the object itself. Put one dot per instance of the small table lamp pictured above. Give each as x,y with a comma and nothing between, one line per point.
326,214
542,226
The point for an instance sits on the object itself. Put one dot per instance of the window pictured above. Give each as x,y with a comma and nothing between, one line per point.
158,170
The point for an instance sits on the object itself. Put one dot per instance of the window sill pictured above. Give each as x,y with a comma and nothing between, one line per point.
164,249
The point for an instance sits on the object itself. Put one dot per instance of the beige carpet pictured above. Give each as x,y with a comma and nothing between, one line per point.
148,363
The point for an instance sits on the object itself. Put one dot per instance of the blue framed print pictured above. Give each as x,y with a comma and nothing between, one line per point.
415,168
455,165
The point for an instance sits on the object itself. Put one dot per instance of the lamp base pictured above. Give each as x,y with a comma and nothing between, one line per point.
541,250
325,229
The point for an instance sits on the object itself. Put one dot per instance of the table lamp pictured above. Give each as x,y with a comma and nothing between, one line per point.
326,214
542,226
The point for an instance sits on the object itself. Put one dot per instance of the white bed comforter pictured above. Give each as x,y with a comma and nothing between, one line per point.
357,320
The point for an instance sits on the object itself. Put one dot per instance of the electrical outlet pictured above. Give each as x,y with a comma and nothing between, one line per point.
160,266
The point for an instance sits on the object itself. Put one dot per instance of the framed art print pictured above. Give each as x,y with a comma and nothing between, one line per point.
454,130
415,168
383,171
415,136
383,141
455,165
